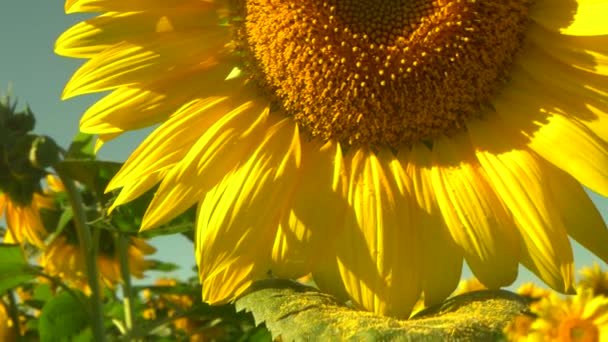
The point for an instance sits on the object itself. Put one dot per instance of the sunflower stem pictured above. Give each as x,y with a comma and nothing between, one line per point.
14,314
89,252
127,295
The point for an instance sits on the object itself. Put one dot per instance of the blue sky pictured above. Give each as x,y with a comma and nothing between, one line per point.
28,29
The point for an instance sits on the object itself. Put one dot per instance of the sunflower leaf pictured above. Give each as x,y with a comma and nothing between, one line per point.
300,313
162,266
63,317
93,174
14,269
82,147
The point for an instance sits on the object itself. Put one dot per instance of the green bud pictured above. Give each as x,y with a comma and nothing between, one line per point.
22,122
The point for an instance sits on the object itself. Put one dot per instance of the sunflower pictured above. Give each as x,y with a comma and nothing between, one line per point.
533,292
594,278
374,144
519,328
63,258
23,220
581,318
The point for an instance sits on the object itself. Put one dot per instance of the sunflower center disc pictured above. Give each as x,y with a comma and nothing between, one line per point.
383,72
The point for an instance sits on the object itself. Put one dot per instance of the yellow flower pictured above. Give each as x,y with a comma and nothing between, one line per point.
64,259
189,324
582,318
519,328
533,291
595,279
373,144
23,221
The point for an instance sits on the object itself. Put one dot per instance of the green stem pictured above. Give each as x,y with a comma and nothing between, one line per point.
14,313
127,292
89,252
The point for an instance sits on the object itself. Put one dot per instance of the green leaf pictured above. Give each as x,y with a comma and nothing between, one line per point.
301,313
43,292
14,269
84,336
93,174
257,334
162,266
82,147
63,318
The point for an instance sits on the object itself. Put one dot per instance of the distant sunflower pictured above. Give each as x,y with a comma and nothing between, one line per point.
519,328
594,278
374,144
64,259
23,221
581,318
533,291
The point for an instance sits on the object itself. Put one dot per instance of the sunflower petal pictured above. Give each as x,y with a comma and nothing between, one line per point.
517,176
236,225
582,154
129,63
220,149
93,36
589,53
169,143
72,6
316,211
579,17
441,263
378,243
474,214
581,218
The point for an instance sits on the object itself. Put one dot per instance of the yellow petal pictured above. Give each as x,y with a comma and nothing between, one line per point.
104,138
93,36
474,214
137,187
236,225
72,6
589,53
129,63
581,153
315,215
543,67
589,20
134,108
580,17
581,218
378,253
519,179
441,257
220,150
171,141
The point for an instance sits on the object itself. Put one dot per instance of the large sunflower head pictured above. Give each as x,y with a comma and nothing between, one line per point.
374,144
